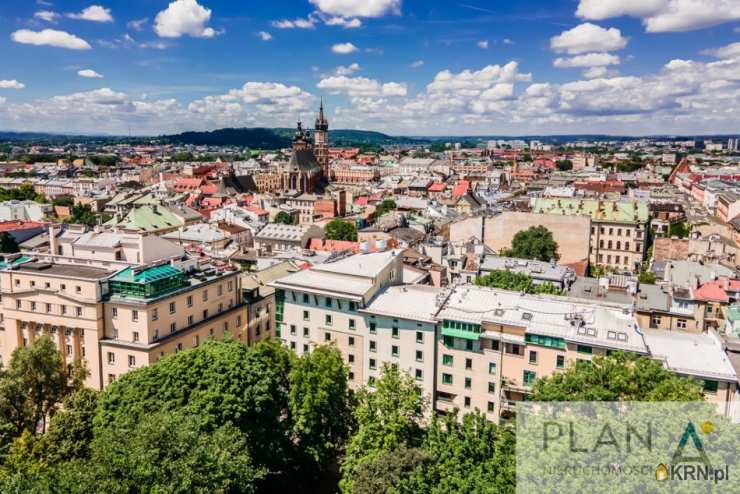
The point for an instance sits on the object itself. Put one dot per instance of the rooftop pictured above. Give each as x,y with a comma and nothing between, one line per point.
615,211
415,302
67,270
695,354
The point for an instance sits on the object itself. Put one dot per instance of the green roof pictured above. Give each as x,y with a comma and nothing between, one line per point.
615,211
148,218
148,275
460,333
733,313
20,260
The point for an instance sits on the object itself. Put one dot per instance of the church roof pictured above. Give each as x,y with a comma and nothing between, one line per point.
303,160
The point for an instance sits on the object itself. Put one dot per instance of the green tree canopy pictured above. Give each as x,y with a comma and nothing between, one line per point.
340,230
680,230
284,218
564,165
536,242
8,245
618,377
518,282
384,207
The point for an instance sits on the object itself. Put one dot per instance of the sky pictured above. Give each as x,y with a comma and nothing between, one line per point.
403,67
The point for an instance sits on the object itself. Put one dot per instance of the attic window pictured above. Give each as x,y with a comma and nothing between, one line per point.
498,312
611,335
622,336
591,332
527,316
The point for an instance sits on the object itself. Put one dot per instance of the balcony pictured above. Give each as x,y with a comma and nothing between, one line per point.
510,385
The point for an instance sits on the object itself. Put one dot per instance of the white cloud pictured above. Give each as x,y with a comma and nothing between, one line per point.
89,73
47,15
587,60
483,44
154,45
344,22
50,37
184,17
358,8
271,97
11,84
347,70
307,23
264,36
357,87
588,37
344,48
94,13
137,24
664,15
507,41
595,72
472,83
416,64
728,51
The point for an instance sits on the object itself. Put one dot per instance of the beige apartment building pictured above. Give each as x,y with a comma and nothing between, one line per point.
114,320
473,347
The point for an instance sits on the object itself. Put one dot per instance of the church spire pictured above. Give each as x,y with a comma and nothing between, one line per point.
321,122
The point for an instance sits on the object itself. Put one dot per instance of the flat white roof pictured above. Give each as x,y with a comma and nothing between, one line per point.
414,302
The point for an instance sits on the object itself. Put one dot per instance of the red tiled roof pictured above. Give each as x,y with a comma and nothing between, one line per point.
437,187
461,188
711,291
9,226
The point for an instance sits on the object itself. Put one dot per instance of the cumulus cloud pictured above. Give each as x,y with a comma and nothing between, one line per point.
89,73
728,51
587,60
358,8
416,64
50,37
264,36
664,15
347,70
361,87
299,23
343,48
184,17
595,72
11,84
94,13
483,44
344,22
47,15
588,37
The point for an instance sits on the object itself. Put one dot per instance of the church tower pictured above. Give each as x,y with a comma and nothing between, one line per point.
321,142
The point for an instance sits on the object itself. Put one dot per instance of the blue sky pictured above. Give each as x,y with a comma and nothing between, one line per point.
414,67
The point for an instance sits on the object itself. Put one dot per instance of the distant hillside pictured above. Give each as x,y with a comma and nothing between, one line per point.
263,138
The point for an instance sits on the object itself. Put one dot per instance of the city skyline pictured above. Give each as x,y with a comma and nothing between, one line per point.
400,67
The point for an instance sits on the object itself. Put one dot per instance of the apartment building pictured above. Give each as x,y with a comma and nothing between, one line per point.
619,229
117,319
472,347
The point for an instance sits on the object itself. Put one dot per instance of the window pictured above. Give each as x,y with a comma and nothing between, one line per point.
173,327
448,341
305,298
292,345
372,364
111,358
373,328
371,381
532,357
352,325
196,340
529,378
327,336
491,407
131,361
220,290
491,387
681,323
205,295
419,356
115,334
230,284
190,320
136,336
351,376
447,360
78,311
328,302
292,330
584,349
114,312
560,361
373,346
305,332
467,402
305,348
155,314
327,319
468,363
468,383
351,358
172,307
710,386
420,337
190,301
352,306
447,379
33,306
156,334
394,351
134,315
492,367
419,374
18,304
394,332
78,289
306,316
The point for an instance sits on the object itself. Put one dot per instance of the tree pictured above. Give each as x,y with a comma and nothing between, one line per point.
320,406
680,230
174,452
386,419
386,471
384,207
284,218
63,201
82,214
534,243
472,455
71,430
340,230
8,245
518,282
618,377
564,165
647,278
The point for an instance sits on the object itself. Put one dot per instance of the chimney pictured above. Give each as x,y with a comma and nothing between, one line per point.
52,241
